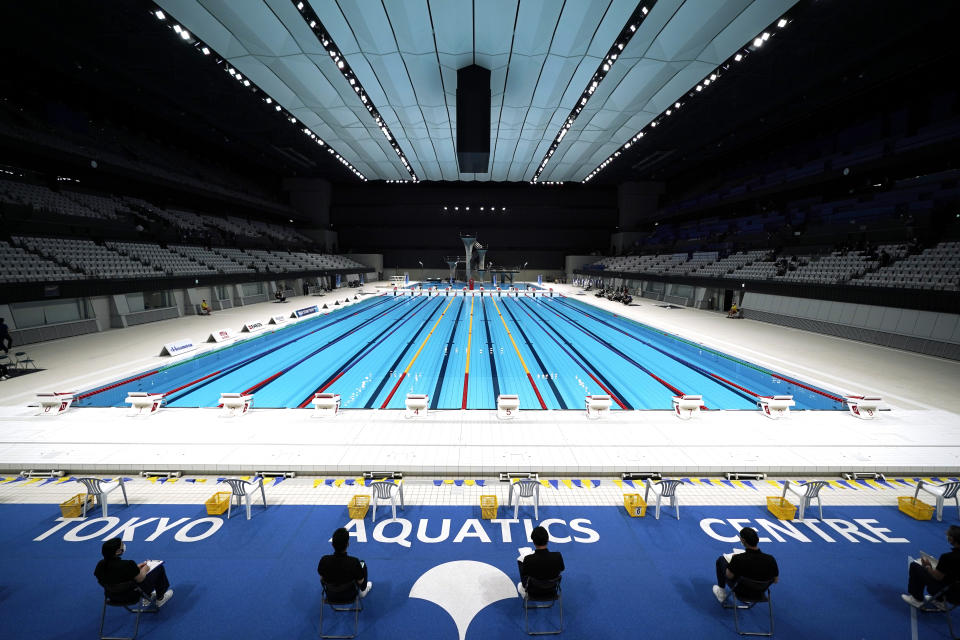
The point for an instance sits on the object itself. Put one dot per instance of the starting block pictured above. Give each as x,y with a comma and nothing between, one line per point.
686,406
507,406
775,406
144,403
325,404
597,406
417,404
863,407
54,403
235,404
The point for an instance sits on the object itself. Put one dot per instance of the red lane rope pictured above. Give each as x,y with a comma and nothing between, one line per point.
800,384
734,384
262,383
535,390
117,384
166,393
394,390
466,377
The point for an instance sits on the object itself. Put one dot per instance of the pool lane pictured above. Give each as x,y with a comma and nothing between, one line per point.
516,369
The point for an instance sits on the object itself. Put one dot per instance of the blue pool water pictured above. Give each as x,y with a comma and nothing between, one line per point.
550,351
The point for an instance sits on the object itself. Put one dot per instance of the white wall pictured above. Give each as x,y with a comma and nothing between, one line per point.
928,325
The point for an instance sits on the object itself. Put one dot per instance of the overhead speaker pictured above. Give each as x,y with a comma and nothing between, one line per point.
473,119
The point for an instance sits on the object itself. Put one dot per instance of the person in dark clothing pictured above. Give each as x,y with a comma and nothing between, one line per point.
935,576
542,564
752,563
113,571
5,340
339,568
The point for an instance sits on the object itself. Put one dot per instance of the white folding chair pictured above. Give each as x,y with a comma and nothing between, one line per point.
383,490
245,490
664,489
945,491
810,491
100,490
529,489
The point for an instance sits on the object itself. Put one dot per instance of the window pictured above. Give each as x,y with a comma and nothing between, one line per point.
252,289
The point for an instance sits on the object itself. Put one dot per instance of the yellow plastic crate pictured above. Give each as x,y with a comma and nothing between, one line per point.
358,506
635,505
488,507
218,503
779,507
73,508
914,508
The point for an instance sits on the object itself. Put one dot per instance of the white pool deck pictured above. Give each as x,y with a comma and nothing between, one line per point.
918,433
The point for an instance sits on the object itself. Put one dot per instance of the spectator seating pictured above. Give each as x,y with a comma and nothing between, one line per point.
170,263
18,265
94,260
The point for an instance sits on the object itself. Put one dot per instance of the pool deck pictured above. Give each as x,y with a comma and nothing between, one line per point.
920,433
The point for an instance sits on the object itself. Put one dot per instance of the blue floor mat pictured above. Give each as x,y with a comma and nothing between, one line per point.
625,577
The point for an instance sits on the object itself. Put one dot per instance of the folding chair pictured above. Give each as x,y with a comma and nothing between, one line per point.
542,594
244,491
23,360
945,491
747,593
529,489
664,489
811,490
342,597
95,488
384,490
128,596
944,601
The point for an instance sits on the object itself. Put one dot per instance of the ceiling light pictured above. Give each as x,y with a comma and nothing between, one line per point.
160,15
300,6
699,88
176,28
758,42
444,208
676,105
205,51
278,107
713,76
313,23
456,208
246,83
185,34
738,57
765,36
782,23
644,9
269,99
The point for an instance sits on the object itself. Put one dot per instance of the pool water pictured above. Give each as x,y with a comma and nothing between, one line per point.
463,352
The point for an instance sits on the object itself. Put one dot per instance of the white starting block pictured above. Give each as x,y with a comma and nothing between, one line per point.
507,406
54,403
325,404
144,403
864,407
598,406
235,404
775,406
686,406
417,404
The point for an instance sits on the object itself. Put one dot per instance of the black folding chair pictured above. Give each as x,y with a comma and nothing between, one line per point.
542,594
343,598
125,595
746,594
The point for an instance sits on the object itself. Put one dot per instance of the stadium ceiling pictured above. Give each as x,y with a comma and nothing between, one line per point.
543,55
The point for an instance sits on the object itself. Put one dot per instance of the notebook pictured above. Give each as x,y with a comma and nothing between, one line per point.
729,556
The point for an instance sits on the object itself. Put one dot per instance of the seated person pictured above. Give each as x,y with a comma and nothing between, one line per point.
935,576
733,311
542,564
204,308
114,571
752,563
340,569
279,296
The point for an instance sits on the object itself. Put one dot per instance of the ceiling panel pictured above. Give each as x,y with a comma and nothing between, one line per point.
541,53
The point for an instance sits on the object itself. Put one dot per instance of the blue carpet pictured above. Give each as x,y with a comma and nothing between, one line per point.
625,577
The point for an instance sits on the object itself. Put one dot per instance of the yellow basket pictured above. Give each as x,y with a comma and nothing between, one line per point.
914,508
358,506
635,505
218,503
781,508
73,508
488,507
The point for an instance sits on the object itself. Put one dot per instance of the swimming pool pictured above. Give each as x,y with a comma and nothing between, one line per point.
463,352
